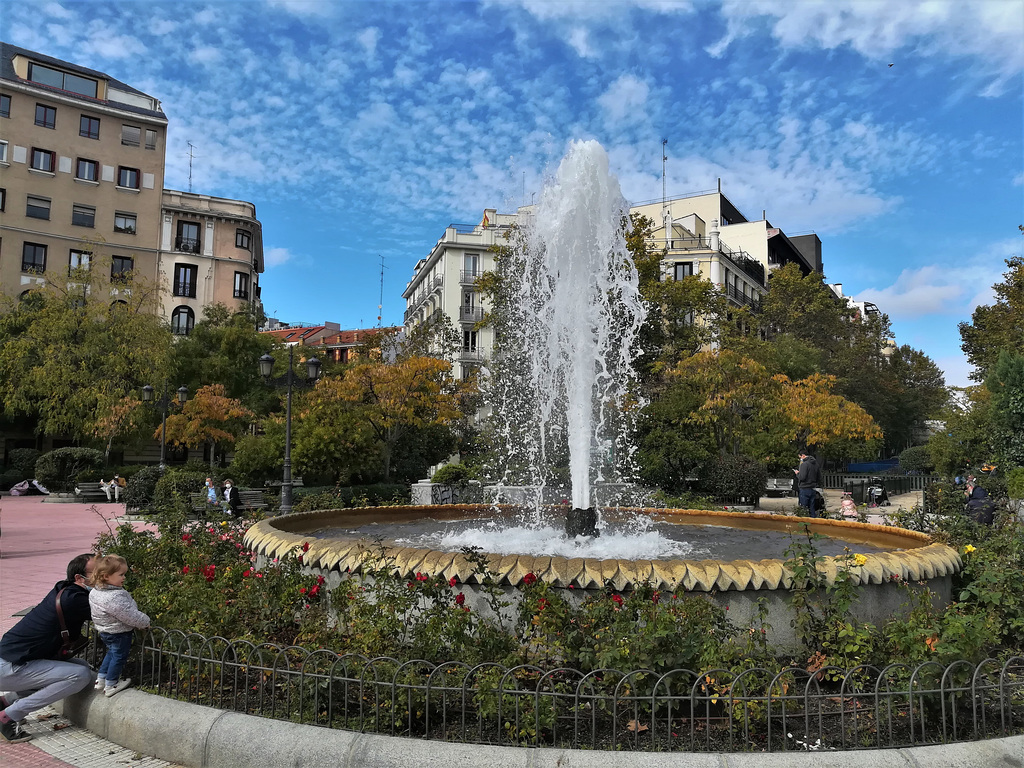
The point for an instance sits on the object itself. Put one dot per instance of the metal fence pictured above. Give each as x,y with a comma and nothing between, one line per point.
892,483
680,710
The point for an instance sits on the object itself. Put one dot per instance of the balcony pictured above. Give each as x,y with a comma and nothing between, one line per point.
471,314
469,276
185,288
186,244
748,300
471,356
241,293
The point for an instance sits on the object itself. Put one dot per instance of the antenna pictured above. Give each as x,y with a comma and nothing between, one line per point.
191,154
524,187
664,162
380,307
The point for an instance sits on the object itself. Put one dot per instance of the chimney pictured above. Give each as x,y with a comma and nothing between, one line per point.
713,236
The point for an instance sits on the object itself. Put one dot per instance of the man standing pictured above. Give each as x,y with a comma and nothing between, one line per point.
807,481
29,651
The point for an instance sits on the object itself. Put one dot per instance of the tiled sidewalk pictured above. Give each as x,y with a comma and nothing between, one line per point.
37,540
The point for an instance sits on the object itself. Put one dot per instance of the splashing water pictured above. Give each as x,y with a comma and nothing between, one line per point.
574,315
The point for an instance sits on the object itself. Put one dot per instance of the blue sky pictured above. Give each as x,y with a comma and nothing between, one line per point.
361,129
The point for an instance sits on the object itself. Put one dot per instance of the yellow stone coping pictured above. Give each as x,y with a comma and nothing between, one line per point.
912,556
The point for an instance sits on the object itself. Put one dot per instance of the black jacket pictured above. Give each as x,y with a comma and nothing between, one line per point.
37,635
234,500
807,474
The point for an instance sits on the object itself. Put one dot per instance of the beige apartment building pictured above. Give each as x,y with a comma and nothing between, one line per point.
82,185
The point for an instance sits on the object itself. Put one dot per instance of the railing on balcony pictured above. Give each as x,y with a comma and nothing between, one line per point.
754,269
471,314
747,299
471,355
185,288
186,244
241,293
469,276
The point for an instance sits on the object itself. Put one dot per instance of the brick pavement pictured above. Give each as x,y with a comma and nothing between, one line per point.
37,540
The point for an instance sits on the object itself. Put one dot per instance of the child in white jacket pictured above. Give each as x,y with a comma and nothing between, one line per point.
115,616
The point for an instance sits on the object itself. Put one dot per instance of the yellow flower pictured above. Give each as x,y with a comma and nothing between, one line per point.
969,548
224,523
859,559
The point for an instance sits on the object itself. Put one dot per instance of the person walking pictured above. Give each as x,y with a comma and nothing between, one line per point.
807,482
35,664
116,617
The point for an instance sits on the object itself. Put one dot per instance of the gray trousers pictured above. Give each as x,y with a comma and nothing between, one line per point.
40,682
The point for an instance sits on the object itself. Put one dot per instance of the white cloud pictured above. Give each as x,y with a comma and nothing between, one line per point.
625,99
303,8
275,257
57,11
1018,180
368,38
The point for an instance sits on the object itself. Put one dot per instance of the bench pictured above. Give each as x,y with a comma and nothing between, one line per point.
248,499
92,491
780,485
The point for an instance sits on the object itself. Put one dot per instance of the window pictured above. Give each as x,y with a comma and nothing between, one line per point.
130,135
185,280
124,223
37,207
469,341
683,269
78,260
46,116
87,170
128,177
182,320
43,160
5,105
121,268
150,139
89,127
33,258
3,151
241,285
3,199
188,237
243,239
66,81
83,215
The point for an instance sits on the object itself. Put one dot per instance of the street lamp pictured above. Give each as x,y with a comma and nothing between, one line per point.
164,402
288,380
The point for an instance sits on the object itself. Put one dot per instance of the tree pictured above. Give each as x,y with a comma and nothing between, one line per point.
918,393
998,326
378,404
68,357
209,417
966,439
1006,383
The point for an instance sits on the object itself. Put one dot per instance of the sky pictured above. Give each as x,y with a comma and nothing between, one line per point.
360,130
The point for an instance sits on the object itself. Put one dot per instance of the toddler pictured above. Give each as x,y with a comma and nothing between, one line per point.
115,616
849,509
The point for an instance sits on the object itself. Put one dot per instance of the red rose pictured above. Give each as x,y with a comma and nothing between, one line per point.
302,590
185,569
314,590
246,573
460,599
617,599
305,546
656,597
452,581
529,579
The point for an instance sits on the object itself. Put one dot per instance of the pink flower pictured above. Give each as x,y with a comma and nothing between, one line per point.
529,579
460,599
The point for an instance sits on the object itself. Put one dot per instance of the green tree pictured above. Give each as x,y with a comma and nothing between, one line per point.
966,438
1006,383
996,327
69,356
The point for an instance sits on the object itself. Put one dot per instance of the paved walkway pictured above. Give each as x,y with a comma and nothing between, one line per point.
38,539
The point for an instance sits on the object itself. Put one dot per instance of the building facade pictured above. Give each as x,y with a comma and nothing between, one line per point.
82,185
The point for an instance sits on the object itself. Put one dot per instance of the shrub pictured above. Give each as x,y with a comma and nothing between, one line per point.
1015,483
257,459
178,484
916,459
380,495
452,474
728,478
24,460
58,469
11,477
93,474
141,487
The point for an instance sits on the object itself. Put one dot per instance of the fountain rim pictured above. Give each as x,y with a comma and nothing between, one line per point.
920,559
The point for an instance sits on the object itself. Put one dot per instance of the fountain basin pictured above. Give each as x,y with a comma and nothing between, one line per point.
903,557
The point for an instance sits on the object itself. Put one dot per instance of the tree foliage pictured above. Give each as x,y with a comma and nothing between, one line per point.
209,417
999,326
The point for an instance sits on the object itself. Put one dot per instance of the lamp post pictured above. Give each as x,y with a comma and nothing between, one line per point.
164,402
288,380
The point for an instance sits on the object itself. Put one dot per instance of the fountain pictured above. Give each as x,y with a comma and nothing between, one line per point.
576,310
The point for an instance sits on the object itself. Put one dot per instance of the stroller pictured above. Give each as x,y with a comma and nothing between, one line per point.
877,495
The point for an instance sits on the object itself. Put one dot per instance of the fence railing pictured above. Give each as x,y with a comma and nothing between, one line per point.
891,483
681,710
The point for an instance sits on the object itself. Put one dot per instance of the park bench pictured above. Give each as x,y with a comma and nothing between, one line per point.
248,499
91,491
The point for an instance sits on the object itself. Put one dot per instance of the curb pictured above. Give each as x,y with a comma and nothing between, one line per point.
202,737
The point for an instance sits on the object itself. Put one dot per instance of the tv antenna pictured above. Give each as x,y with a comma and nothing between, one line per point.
191,155
664,164
380,307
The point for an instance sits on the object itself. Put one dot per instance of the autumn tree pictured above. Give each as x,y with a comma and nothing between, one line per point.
71,351
209,417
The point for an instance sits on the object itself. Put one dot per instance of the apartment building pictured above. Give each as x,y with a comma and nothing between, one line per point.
444,288
82,185
327,341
